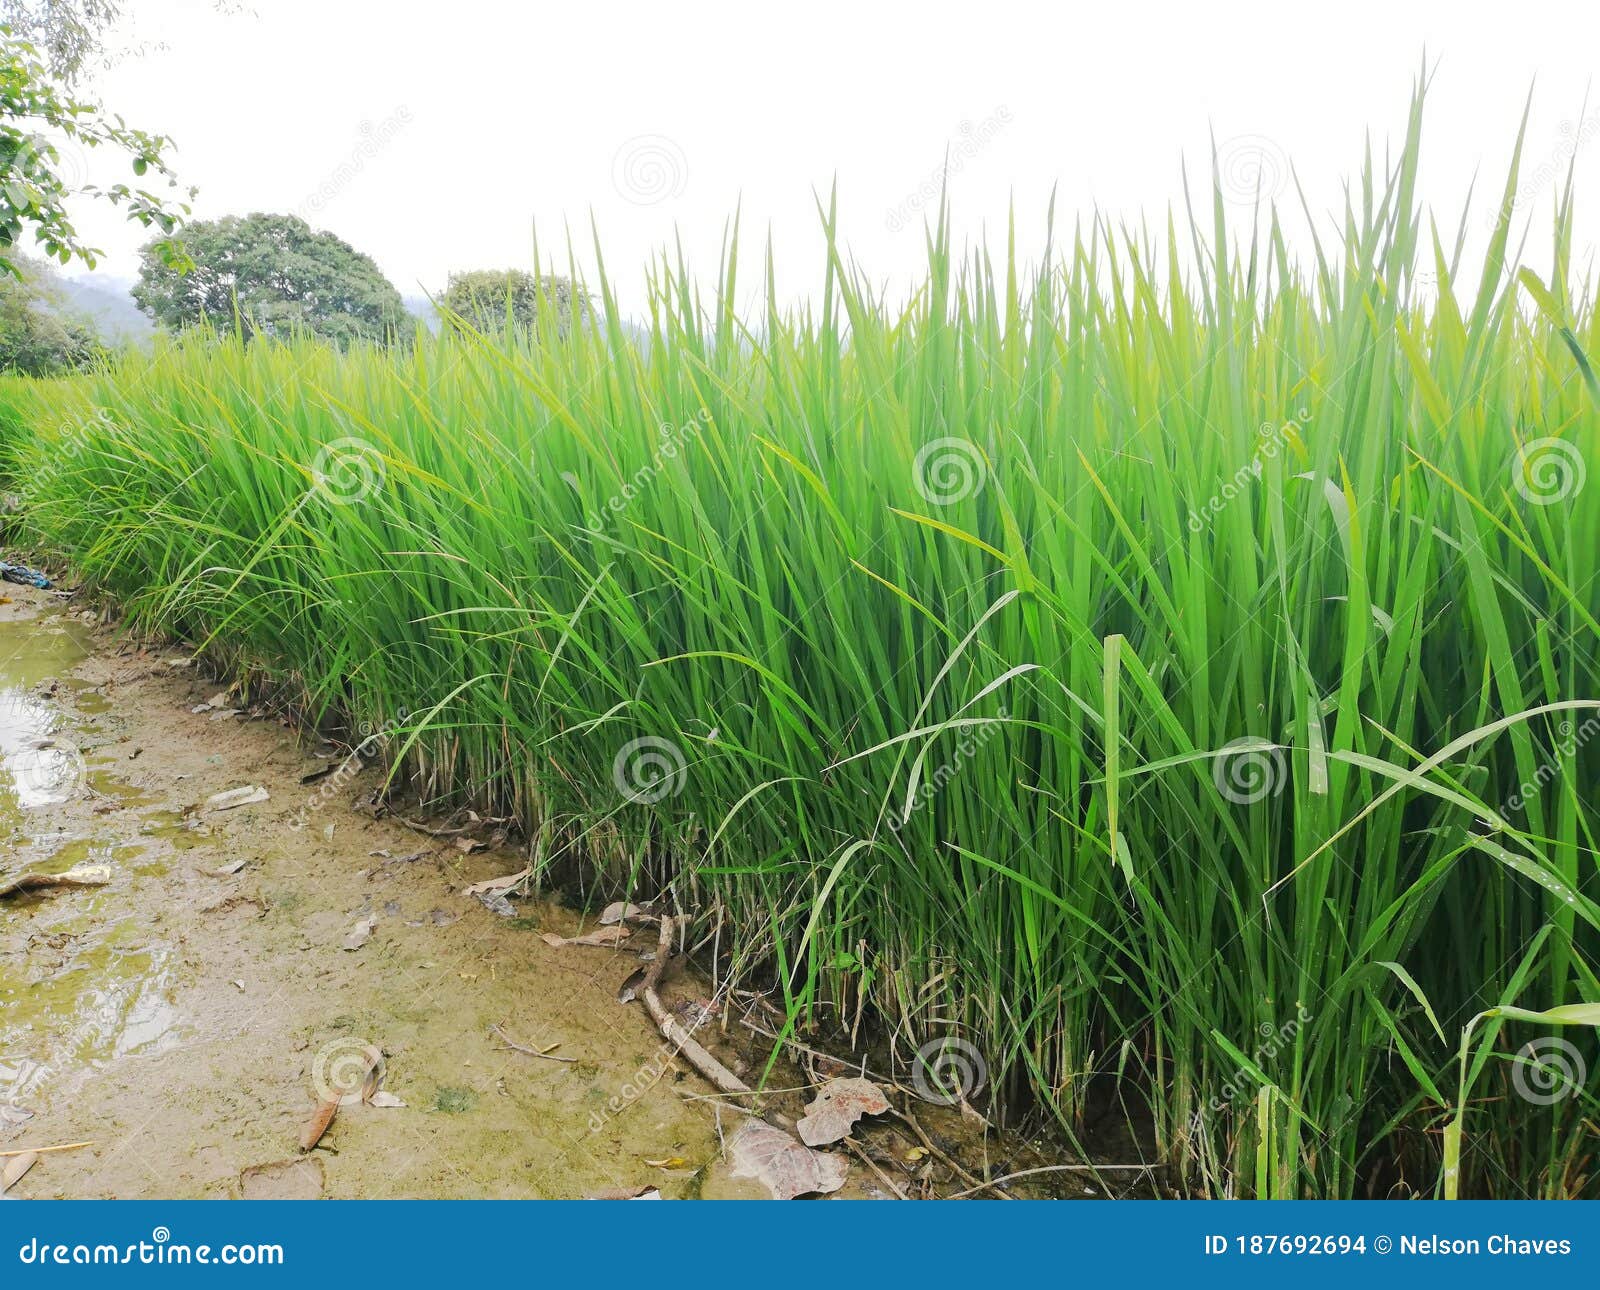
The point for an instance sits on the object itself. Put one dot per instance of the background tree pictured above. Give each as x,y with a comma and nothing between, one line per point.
40,115
484,298
271,274
39,333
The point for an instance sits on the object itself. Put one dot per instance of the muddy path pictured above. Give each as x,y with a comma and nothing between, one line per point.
182,1017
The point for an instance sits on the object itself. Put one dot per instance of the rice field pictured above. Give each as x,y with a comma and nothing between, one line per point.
1159,685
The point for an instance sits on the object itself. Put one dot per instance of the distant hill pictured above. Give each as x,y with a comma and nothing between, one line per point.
105,301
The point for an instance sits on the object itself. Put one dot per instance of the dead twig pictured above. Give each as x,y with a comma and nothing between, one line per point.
1044,1169
525,1049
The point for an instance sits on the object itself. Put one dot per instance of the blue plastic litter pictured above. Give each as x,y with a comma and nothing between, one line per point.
21,573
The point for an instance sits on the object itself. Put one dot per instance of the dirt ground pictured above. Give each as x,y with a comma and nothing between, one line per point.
182,1018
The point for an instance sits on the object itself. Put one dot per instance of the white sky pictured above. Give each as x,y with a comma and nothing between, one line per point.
499,115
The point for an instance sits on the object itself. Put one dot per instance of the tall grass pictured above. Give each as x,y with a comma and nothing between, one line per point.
1176,683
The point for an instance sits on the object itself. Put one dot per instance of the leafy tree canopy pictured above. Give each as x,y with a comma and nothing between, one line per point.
270,274
485,298
43,123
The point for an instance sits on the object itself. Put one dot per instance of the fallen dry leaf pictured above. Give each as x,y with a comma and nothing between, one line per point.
318,1124
225,870
623,1193
244,795
15,1168
471,845
603,936
83,875
618,912
384,1100
785,1167
670,1162
492,885
833,1112
358,935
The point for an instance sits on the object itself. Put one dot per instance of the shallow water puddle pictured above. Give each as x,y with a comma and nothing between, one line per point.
81,984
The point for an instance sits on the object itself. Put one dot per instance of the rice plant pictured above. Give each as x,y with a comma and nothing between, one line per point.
1172,673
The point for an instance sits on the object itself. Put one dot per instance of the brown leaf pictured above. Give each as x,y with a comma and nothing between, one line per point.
471,845
831,1114
318,1124
618,912
245,795
492,885
359,934
15,1168
603,936
627,1193
83,875
299,1179
787,1169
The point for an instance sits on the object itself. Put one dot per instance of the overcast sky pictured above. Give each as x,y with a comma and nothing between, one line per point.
435,136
